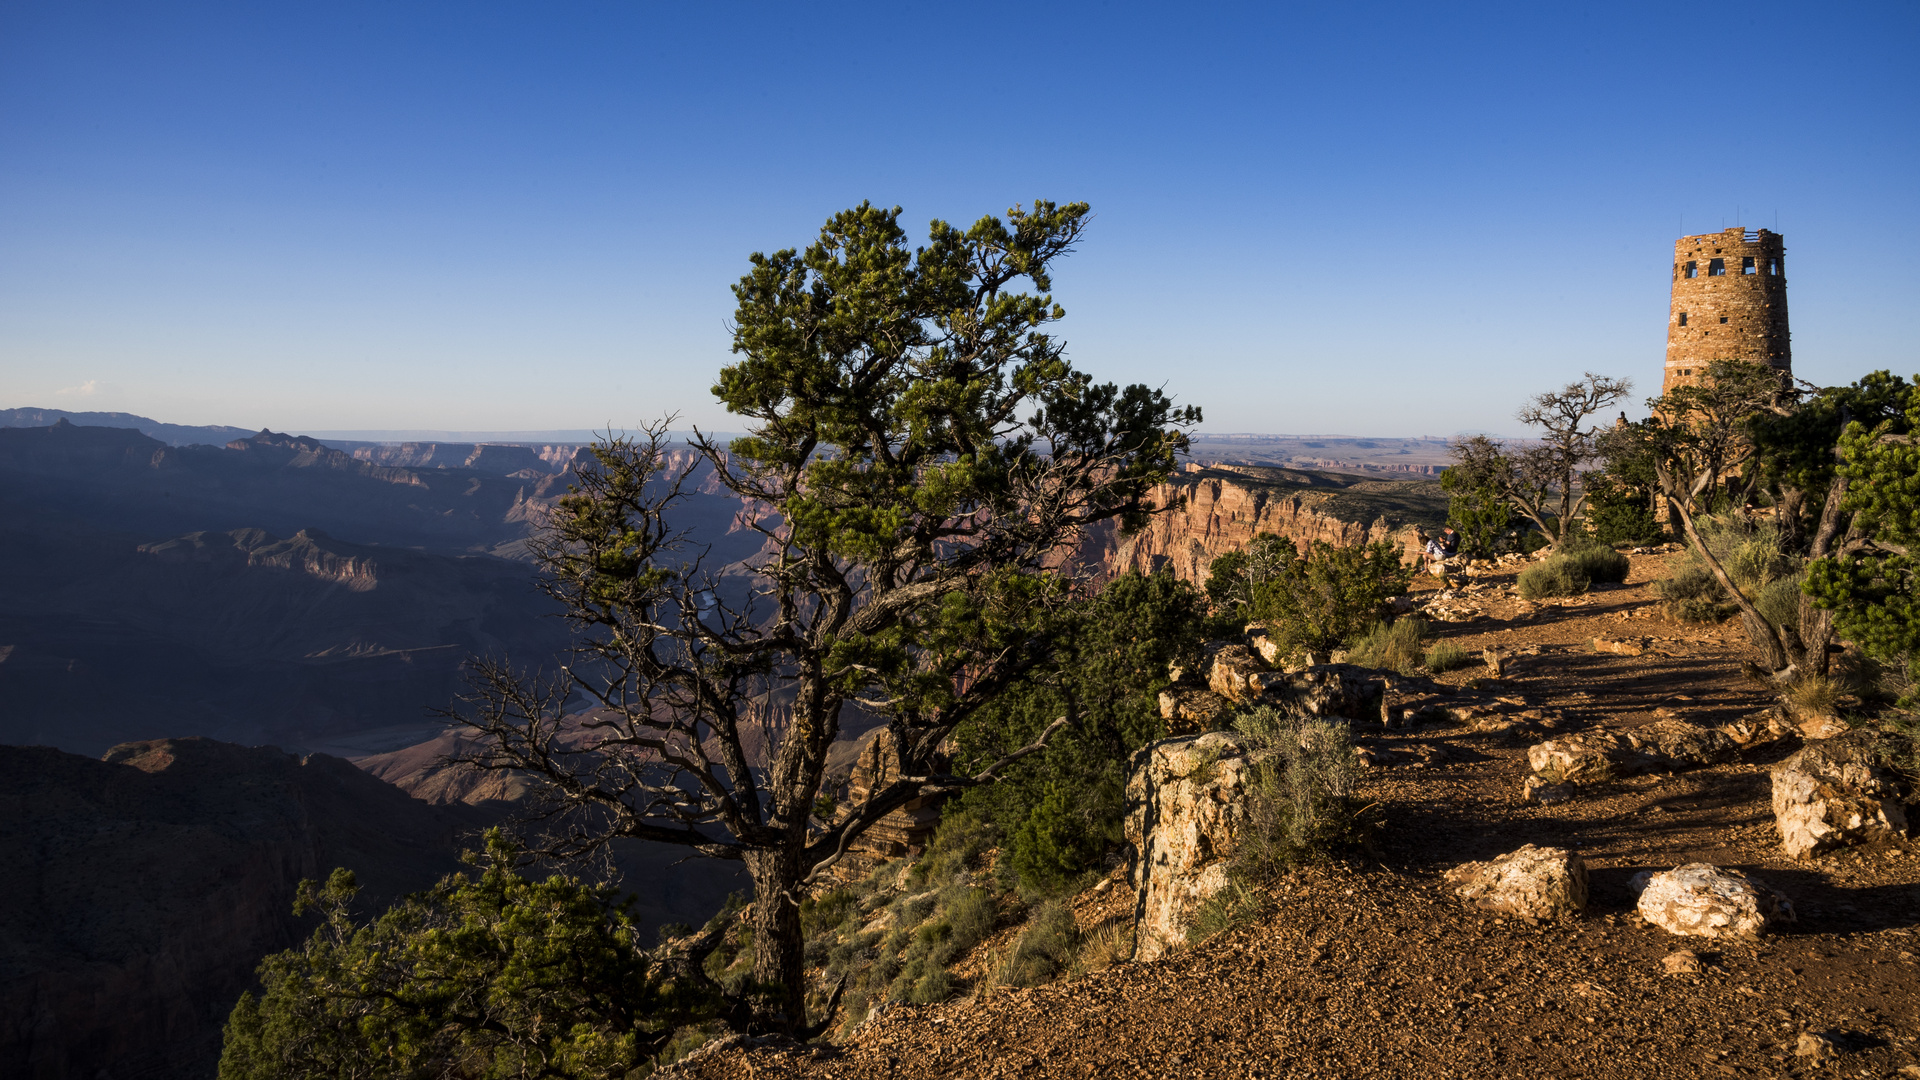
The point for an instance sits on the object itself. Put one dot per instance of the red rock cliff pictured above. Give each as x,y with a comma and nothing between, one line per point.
1225,507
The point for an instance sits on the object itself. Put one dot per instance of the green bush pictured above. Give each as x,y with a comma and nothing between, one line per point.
1394,646
1299,791
1619,514
1598,562
1446,656
1332,596
1555,576
1779,600
490,975
1750,554
1060,812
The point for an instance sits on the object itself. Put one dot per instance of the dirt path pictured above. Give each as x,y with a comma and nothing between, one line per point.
1375,970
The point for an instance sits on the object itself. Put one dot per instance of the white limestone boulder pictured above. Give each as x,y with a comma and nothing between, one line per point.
1703,900
1531,883
1835,793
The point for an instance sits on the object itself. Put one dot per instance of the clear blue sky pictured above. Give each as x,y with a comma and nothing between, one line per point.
1334,218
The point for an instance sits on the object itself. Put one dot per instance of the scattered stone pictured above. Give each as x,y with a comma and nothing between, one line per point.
1587,758
1703,900
1684,962
1819,726
1756,729
1541,793
1817,1047
1596,756
1619,648
1834,793
1496,663
1531,883
1263,643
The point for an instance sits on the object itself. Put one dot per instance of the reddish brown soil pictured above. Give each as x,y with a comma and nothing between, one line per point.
1372,968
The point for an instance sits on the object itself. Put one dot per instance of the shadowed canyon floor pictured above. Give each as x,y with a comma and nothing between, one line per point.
1373,968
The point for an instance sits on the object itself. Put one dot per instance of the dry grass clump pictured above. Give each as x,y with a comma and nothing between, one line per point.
1045,949
1394,646
1446,656
1105,945
1557,576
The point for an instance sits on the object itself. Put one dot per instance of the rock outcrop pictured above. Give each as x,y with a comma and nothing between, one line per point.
1531,883
1836,793
1703,900
1222,508
1595,756
143,889
1186,809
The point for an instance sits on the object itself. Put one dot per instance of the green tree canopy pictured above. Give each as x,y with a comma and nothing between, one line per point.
493,975
926,456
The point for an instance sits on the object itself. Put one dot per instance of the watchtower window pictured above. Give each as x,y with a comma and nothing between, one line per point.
1693,269
1683,318
1717,268
1773,266
1723,318
1746,266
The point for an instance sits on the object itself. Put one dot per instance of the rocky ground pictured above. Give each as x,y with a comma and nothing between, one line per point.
1372,967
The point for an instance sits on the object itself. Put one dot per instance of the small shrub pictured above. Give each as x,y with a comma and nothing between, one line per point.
1300,796
1813,695
1230,907
1044,949
1331,595
1779,600
1105,945
1598,562
1556,576
1446,656
1393,646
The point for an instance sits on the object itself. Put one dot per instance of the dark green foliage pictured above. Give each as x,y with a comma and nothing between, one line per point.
1478,508
494,975
1619,513
1796,449
1236,578
1557,575
1332,596
1874,592
1394,646
1060,812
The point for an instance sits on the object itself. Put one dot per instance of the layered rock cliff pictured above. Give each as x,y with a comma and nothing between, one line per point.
1222,507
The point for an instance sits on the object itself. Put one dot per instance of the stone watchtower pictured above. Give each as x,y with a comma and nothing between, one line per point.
1729,303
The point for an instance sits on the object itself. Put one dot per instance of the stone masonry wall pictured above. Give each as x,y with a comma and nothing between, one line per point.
1729,303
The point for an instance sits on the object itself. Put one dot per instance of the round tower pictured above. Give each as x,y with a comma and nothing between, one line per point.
1729,303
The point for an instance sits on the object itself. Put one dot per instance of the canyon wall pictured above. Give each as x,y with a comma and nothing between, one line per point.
144,888
1223,507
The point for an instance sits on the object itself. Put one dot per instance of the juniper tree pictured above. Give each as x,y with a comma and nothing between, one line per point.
924,456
